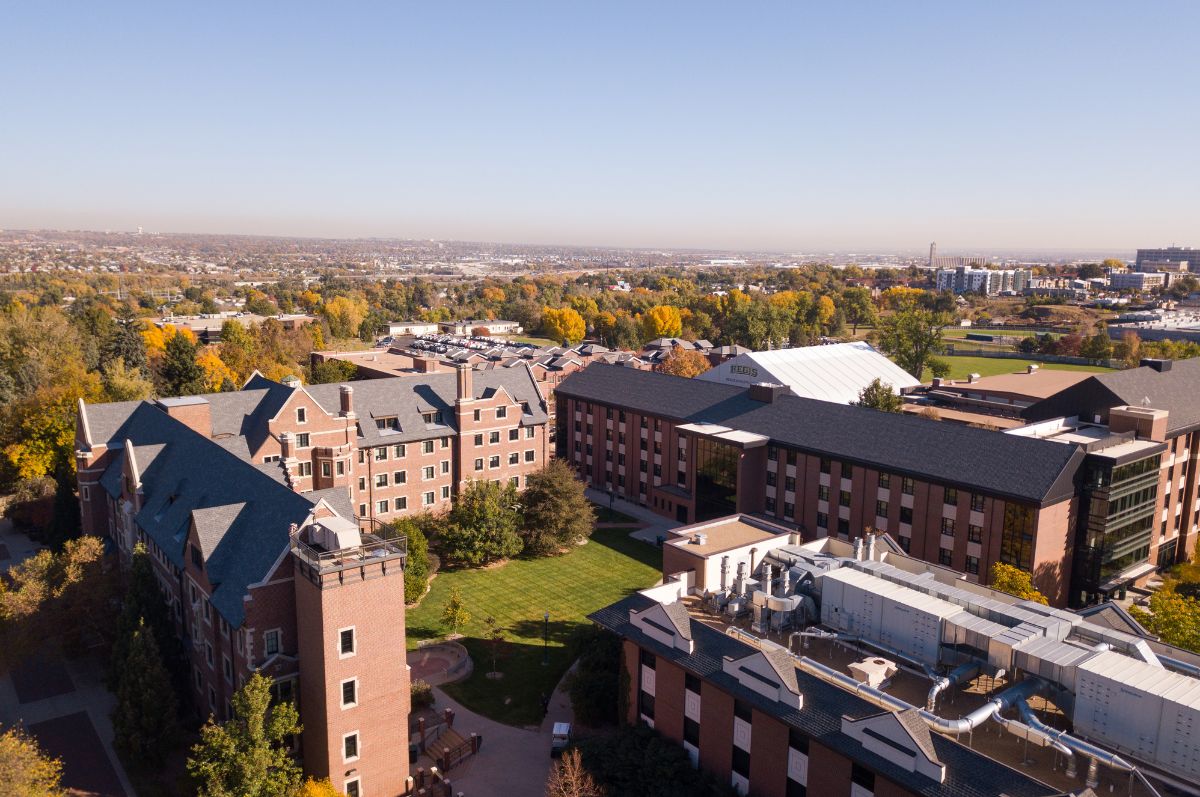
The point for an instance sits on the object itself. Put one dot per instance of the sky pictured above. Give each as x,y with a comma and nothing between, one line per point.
796,126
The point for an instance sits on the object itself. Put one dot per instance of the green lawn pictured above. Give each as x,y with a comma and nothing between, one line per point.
962,366
517,594
536,341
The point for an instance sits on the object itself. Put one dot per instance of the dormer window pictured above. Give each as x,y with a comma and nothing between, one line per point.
432,417
197,558
392,423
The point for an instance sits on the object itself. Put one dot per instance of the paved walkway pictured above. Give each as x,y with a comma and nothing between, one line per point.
652,525
64,703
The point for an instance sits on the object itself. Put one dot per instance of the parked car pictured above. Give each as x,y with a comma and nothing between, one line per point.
560,739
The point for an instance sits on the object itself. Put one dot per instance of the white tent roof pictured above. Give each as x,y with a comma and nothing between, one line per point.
835,373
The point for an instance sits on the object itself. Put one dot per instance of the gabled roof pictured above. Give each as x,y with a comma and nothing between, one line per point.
1007,466
1175,391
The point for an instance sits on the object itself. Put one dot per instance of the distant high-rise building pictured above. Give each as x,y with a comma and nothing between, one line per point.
932,254
965,279
1171,258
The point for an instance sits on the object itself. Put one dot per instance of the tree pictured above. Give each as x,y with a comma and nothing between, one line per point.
216,374
825,310
495,638
593,685
25,771
662,321
126,344
684,362
1175,618
1097,347
181,375
568,778
330,371
143,604
879,396
556,510
639,762
125,383
416,568
454,613
563,325
858,307
911,336
1015,581
345,315
484,525
144,719
317,788
1091,271
246,756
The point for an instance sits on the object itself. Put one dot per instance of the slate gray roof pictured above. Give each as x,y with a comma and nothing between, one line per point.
242,514
677,614
406,397
1177,391
1007,466
911,720
968,773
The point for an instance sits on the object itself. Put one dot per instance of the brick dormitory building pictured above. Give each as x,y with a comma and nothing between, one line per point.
256,507
1094,494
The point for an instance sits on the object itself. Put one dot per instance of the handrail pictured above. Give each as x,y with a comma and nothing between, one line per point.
373,549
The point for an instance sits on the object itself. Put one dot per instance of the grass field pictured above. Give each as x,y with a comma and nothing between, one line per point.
961,367
517,594
536,341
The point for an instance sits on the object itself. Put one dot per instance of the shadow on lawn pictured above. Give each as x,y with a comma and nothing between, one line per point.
619,540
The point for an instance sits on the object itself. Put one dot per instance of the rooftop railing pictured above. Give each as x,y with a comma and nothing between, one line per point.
373,549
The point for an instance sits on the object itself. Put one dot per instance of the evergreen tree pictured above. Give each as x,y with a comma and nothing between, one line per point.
126,344
246,756
557,512
181,374
144,603
144,720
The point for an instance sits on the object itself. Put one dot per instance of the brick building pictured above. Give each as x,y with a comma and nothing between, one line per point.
962,497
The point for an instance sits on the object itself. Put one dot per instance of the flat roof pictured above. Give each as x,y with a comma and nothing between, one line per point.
725,534
1042,383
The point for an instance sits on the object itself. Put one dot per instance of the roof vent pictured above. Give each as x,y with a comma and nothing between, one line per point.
766,392
700,538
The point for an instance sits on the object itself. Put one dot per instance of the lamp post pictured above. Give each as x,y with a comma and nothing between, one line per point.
545,639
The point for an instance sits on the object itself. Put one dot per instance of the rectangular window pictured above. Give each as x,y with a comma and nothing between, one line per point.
770,505
381,480
861,776
362,483
352,788
302,440
847,470
906,486
501,412
530,432
789,483
691,732
531,455
844,498
948,526
478,416
741,762
945,556
401,504
881,508
346,642
445,491
301,415
427,447
400,477
906,515
227,668
789,509
950,496
514,458
885,480
350,747
843,527
478,439
271,641
494,461
341,468
823,521
362,510
976,502
822,492
428,498
427,472
445,466
326,471
825,465
479,463
382,506
974,534
770,478
398,451
772,454
306,468
493,438
514,435
381,454
973,565
350,693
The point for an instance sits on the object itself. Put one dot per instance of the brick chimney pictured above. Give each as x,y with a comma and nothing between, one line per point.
194,412
287,449
1147,423
346,395
466,390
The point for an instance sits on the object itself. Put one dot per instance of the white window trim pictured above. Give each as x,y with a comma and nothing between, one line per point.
357,746
346,785
338,643
301,415
341,692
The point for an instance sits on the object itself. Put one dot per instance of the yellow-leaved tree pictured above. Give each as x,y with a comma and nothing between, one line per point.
216,372
563,325
662,321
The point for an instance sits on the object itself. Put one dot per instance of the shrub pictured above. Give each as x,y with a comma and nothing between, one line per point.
422,694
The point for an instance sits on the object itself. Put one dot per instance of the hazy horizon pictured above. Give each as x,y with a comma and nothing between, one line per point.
1027,126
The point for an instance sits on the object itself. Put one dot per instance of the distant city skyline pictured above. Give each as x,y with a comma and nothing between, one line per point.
1021,126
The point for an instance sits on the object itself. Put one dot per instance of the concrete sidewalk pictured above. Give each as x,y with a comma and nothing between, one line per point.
653,525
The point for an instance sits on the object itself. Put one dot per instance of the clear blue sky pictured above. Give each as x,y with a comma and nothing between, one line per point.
790,126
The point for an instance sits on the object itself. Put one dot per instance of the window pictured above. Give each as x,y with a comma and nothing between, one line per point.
530,432
682,454
493,437
387,423
905,543
501,412
822,520
948,526
427,472
823,492
350,746
885,480
881,508
445,466
973,565
401,504
381,480
861,776
789,509
427,447
844,498
847,470
513,435
306,468
271,641
227,668
950,496
382,506
301,415
445,492
976,502
432,417
326,471
945,556
741,761
350,693
478,416
906,515
825,465
515,481
398,451
352,788
362,483
427,499
531,455
478,439
770,478
789,483
843,527
906,486
341,468
514,458
346,642
400,477
479,463
691,732
302,440
362,510
381,454
494,461
974,534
